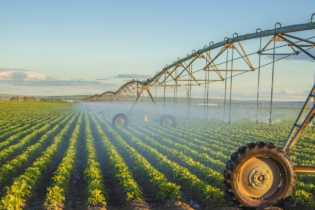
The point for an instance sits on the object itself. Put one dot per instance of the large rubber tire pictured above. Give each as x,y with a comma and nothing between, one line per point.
101,113
121,120
168,121
239,165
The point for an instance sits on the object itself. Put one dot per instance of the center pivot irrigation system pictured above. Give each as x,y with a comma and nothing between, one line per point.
258,174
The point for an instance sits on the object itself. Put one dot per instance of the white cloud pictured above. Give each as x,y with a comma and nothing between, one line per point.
291,92
134,76
26,76
37,79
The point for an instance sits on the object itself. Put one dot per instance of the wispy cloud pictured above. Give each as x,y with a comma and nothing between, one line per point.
101,79
133,76
37,79
9,69
291,92
301,56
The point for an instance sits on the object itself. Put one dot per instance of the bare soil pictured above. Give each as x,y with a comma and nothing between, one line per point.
36,201
115,196
76,196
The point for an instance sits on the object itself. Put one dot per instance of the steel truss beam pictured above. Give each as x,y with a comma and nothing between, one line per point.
184,65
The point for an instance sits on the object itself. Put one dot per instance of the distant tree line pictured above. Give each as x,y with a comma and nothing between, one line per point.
50,100
26,98
32,98
14,98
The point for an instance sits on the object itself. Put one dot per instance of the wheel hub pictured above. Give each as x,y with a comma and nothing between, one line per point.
259,178
167,122
119,121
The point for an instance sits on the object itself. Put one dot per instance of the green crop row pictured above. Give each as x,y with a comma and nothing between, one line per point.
21,120
14,138
12,167
60,181
24,185
166,190
30,123
304,194
27,140
203,154
120,170
181,174
92,174
207,173
199,140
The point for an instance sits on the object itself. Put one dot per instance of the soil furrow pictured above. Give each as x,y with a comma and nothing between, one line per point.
36,201
115,196
76,196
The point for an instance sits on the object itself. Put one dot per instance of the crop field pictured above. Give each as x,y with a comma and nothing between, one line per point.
61,156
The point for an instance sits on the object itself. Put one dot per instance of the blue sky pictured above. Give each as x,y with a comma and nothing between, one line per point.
88,47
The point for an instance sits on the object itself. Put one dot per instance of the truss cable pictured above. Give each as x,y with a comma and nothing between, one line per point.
174,97
156,94
273,72
257,115
204,95
227,56
231,82
187,92
250,55
313,121
176,92
190,81
164,92
284,57
208,96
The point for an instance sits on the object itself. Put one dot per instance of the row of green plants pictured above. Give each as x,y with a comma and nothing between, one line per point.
60,181
181,174
209,174
200,153
200,140
13,166
8,122
23,186
14,113
16,137
165,189
119,168
27,140
7,134
243,132
93,174
20,121
11,127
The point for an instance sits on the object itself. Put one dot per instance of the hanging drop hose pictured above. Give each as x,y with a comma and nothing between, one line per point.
164,92
204,96
156,93
257,116
176,92
227,57
208,94
190,81
273,71
231,81
313,121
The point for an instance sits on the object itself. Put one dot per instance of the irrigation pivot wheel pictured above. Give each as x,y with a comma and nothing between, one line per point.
121,120
259,175
168,121
101,113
